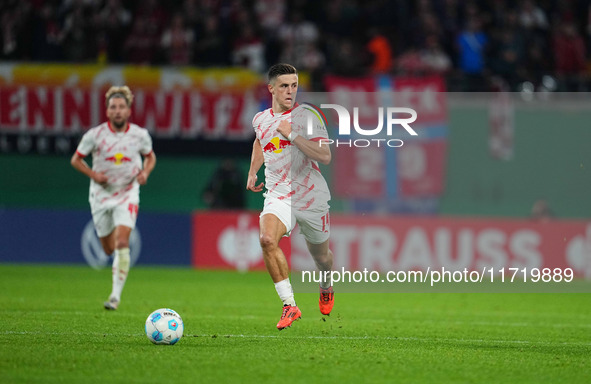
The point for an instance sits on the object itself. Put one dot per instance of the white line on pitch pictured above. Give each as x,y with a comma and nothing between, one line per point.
389,338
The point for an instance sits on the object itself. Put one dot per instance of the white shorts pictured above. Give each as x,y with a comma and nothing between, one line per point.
105,220
314,223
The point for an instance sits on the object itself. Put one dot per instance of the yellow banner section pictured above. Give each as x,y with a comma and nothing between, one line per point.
166,78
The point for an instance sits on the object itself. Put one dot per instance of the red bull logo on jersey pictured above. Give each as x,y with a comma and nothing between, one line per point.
276,145
118,159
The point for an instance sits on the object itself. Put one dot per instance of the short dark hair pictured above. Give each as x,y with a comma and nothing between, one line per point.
281,69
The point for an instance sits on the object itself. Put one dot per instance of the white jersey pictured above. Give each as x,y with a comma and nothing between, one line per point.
289,174
119,156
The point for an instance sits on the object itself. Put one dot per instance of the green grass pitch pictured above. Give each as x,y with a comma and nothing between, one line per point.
53,329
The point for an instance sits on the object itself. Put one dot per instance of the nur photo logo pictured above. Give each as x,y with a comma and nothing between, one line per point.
372,136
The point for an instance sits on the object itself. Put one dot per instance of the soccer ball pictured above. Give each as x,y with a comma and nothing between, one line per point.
164,326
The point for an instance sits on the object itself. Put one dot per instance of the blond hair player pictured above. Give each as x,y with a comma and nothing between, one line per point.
117,148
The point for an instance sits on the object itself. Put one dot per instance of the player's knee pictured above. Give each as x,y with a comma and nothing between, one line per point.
122,243
267,241
108,249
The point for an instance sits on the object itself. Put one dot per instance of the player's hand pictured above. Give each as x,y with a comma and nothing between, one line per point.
284,128
100,177
251,184
142,177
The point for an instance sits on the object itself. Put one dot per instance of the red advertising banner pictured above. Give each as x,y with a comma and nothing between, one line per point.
230,240
421,170
188,103
359,172
426,95
418,243
336,85
168,114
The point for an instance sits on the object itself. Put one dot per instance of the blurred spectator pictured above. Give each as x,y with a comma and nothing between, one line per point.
508,52
153,14
471,48
113,22
211,46
498,12
346,60
141,44
226,187
177,42
410,63
483,39
295,36
249,51
338,18
531,16
450,20
569,56
379,48
537,64
192,13
433,57
426,61
426,24
78,35
16,31
9,35
47,35
270,14
314,62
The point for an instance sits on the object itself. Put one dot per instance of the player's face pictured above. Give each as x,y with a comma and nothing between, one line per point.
118,112
284,90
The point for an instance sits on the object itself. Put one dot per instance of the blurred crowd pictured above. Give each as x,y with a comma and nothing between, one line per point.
478,45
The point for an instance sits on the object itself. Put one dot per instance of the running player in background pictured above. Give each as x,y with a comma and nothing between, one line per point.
117,148
296,191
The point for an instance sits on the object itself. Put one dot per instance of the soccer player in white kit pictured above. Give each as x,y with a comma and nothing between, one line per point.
296,190
117,148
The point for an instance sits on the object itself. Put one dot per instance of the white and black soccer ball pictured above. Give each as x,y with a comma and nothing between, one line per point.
164,326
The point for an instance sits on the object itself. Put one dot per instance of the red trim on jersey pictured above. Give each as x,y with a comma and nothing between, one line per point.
286,112
80,154
149,153
114,131
315,166
317,138
289,111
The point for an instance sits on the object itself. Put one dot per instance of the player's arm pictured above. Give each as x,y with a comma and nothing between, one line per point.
256,162
313,149
80,165
149,164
